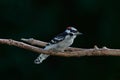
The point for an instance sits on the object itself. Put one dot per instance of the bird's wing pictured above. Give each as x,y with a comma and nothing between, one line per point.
60,37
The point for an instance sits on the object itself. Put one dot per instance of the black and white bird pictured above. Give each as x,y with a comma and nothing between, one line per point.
59,43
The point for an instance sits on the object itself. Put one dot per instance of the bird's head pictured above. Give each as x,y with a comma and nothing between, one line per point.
72,31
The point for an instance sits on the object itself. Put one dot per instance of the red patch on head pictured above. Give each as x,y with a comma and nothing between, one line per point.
68,27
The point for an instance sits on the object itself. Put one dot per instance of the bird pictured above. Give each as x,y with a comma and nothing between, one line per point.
59,43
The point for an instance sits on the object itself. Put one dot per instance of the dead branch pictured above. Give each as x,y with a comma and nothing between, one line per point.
42,44
70,52
34,42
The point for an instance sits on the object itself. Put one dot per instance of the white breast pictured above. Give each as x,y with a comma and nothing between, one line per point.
65,43
61,46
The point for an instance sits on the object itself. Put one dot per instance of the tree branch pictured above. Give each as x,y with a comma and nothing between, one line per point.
42,44
70,52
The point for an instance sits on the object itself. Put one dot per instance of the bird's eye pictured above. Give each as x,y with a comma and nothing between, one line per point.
73,31
70,34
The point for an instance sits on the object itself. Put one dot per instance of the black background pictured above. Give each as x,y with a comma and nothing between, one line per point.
98,20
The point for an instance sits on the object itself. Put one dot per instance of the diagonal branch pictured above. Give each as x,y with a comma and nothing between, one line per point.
42,44
70,52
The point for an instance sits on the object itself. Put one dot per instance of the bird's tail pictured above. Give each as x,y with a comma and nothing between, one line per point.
40,58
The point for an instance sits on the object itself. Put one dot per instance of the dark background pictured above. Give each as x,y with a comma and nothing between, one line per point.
99,20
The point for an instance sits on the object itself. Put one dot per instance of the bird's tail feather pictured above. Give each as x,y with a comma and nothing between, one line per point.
40,58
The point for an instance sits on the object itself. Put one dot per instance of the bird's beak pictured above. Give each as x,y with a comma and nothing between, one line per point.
78,33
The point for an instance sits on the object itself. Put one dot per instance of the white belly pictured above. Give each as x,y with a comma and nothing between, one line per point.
61,46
